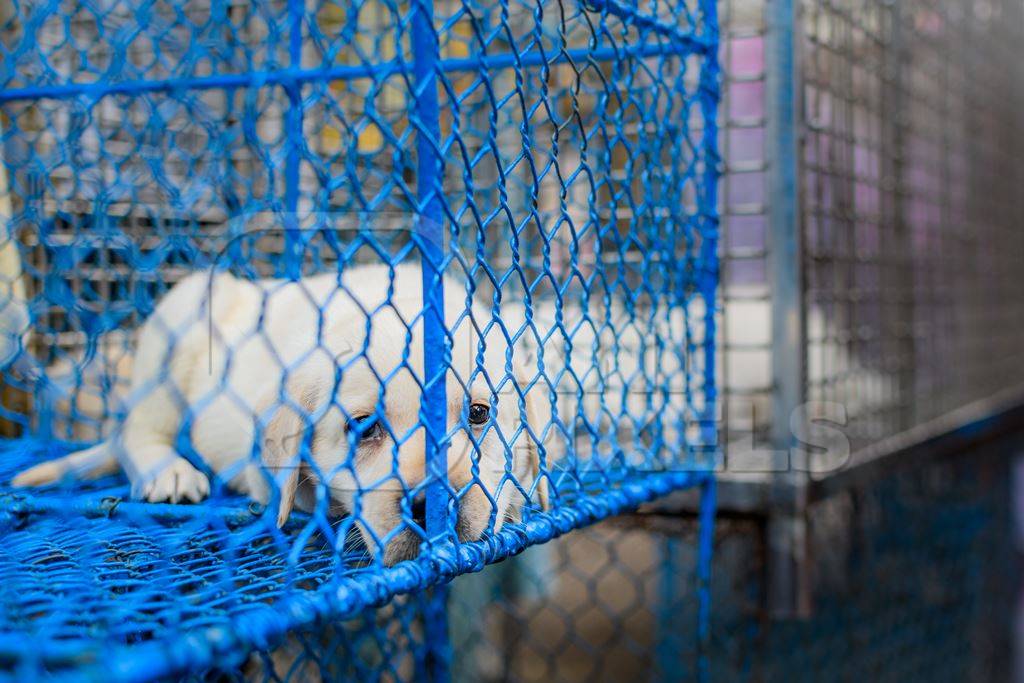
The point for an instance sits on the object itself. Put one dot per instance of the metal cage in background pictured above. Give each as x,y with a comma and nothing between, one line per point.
542,173
869,250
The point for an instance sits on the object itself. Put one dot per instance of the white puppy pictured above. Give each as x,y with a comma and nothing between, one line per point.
226,368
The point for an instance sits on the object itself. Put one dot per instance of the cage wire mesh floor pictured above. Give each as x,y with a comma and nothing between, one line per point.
536,178
99,586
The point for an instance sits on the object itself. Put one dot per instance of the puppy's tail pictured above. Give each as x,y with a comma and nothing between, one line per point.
90,463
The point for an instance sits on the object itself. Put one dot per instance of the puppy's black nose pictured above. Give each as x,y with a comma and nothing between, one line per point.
419,510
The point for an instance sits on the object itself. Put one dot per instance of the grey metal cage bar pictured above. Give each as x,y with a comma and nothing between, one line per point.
871,243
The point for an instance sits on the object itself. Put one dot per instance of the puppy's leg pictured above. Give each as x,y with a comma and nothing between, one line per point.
173,344
90,463
156,470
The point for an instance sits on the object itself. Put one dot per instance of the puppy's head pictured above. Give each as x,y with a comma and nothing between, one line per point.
361,412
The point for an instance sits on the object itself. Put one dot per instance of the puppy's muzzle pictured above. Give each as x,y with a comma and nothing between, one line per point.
406,544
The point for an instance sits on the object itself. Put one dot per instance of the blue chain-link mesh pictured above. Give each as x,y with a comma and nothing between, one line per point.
493,233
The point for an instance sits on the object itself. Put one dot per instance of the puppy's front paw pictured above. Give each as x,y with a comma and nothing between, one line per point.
176,482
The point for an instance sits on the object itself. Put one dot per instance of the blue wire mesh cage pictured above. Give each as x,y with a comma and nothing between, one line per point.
394,289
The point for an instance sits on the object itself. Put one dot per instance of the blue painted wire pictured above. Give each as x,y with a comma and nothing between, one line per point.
170,589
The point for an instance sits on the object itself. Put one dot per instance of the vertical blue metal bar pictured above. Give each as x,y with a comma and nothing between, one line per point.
710,90
293,251
430,233
705,549
710,78
787,581
669,646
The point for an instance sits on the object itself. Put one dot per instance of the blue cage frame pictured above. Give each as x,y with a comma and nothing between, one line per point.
202,645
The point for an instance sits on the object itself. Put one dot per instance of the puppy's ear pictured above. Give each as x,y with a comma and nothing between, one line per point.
282,442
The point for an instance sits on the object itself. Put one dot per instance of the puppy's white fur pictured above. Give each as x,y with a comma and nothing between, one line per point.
14,315
231,367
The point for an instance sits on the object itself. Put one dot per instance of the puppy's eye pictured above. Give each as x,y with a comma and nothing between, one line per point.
364,427
479,414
